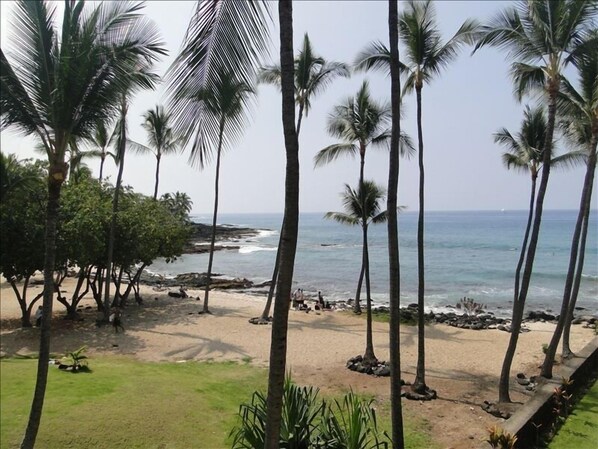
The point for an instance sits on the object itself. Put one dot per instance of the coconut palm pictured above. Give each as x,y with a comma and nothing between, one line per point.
161,138
362,207
228,100
359,122
313,74
541,39
59,85
101,141
394,290
579,122
140,77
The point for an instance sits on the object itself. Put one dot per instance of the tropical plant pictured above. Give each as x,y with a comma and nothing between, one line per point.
179,204
541,39
394,268
313,74
360,122
101,140
77,359
360,203
579,112
60,85
161,139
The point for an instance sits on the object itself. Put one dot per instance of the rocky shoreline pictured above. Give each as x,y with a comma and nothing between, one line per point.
198,242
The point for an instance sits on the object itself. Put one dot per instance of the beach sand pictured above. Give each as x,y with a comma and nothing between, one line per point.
462,365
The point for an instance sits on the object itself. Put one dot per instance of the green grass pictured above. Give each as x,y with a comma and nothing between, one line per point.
124,403
580,431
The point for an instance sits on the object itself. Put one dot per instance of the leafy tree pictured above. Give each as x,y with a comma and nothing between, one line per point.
21,230
360,203
313,74
579,111
60,85
161,138
541,39
179,204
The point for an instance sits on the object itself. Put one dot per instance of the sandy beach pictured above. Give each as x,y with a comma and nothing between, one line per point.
462,365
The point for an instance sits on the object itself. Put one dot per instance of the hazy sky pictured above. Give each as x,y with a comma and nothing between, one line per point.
461,111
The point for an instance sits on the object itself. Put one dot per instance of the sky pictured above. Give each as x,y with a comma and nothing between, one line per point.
462,109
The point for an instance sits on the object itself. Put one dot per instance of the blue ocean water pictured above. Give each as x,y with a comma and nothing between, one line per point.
471,254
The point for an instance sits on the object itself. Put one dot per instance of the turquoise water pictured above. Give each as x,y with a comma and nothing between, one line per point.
470,254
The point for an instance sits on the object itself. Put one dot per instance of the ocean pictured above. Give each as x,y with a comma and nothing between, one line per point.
467,254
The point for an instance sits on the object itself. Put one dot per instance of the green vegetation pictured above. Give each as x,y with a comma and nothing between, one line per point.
126,403
580,429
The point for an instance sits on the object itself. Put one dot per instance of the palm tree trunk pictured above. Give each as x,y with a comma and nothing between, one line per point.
584,206
102,159
278,345
111,237
55,180
394,268
157,176
503,384
214,219
369,357
266,312
357,306
519,305
419,385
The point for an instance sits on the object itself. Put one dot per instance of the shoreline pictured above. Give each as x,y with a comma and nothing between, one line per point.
462,364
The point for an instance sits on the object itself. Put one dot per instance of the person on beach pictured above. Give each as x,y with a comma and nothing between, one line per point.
115,319
39,313
320,302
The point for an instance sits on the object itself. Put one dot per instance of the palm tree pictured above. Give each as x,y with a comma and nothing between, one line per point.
140,77
60,85
540,38
161,138
289,232
360,203
580,125
228,100
101,140
394,267
313,74
424,58
359,122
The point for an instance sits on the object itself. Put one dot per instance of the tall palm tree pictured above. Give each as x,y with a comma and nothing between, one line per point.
59,85
228,100
540,38
288,247
360,203
161,138
313,74
359,121
394,267
140,77
425,57
579,110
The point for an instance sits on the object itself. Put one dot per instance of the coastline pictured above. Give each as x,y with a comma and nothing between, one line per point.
463,364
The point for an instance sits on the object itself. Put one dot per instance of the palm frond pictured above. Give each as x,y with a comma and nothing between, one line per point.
333,152
527,78
342,218
225,36
375,56
569,160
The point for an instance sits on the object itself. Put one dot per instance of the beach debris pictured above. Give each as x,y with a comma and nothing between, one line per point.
470,306
495,410
379,369
260,320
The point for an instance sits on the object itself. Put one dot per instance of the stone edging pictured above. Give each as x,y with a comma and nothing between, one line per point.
539,407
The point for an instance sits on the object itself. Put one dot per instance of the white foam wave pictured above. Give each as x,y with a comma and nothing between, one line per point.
253,249
266,233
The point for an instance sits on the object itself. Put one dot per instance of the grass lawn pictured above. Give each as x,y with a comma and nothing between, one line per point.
124,403
580,431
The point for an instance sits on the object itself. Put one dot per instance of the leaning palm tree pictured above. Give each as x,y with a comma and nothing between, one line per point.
161,138
362,208
228,100
541,39
525,153
359,122
313,74
579,122
59,85
394,267
140,77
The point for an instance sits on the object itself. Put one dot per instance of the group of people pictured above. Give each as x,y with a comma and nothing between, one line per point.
298,301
